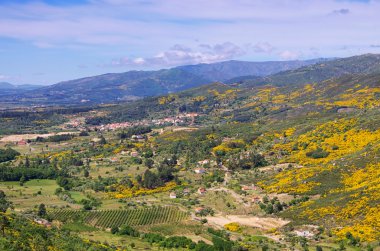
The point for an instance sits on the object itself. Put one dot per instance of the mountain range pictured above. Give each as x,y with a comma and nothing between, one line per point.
10,89
9,86
132,85
315,73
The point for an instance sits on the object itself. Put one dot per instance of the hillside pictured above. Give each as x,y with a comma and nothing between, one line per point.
5,85
215,167
115,87
231,69
7,89
363,64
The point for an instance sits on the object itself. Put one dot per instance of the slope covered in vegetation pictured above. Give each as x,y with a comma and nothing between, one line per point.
269,166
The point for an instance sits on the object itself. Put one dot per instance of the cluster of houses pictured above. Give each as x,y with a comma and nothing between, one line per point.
115,126
175,120
200,169
74,123
179,119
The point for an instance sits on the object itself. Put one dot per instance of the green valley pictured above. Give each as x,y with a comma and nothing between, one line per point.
239,166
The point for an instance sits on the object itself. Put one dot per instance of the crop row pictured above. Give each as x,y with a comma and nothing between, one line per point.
131,217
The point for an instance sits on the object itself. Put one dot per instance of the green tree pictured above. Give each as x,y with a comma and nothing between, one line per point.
341,246
41,210
22,180
149,163
114,230
27,162
102,140
4,203
4,222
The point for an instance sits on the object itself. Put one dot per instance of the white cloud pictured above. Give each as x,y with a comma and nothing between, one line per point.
4,77
139,61
118,22
341,12
142,31
290,55
263,47
180,55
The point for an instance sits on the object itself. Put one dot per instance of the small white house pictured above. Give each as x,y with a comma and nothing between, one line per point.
201,190
304,233
134,154
199,170
173,195
204,162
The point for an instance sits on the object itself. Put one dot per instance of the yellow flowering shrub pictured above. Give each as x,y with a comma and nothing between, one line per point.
167,99
125,192
356,193
233,227
227,95
199,98
363,98
292,181
229,146
337,138
360,215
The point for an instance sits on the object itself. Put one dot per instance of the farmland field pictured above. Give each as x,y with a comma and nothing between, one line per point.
132,217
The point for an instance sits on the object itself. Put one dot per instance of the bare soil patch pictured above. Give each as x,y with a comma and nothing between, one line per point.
264,223
19,137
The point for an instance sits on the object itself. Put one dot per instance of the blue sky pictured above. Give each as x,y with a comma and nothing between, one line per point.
44,42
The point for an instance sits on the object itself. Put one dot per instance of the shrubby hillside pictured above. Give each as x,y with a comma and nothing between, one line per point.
289,164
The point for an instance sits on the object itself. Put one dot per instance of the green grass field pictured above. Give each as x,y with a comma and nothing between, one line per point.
26,197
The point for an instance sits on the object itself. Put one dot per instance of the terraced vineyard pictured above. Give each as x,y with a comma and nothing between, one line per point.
131,217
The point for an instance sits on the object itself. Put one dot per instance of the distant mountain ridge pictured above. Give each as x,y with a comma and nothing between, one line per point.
315,73
223,71
8,89
5,85
132,85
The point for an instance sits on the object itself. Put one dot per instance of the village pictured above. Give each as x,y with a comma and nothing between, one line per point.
180,119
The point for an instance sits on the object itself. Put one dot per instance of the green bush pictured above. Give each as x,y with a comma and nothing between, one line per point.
318,153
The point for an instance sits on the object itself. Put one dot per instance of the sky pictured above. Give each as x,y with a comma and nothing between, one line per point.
48,41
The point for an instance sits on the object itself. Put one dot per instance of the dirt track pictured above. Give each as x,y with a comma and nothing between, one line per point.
265,223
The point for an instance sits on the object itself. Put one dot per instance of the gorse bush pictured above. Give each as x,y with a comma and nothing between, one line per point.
317,153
